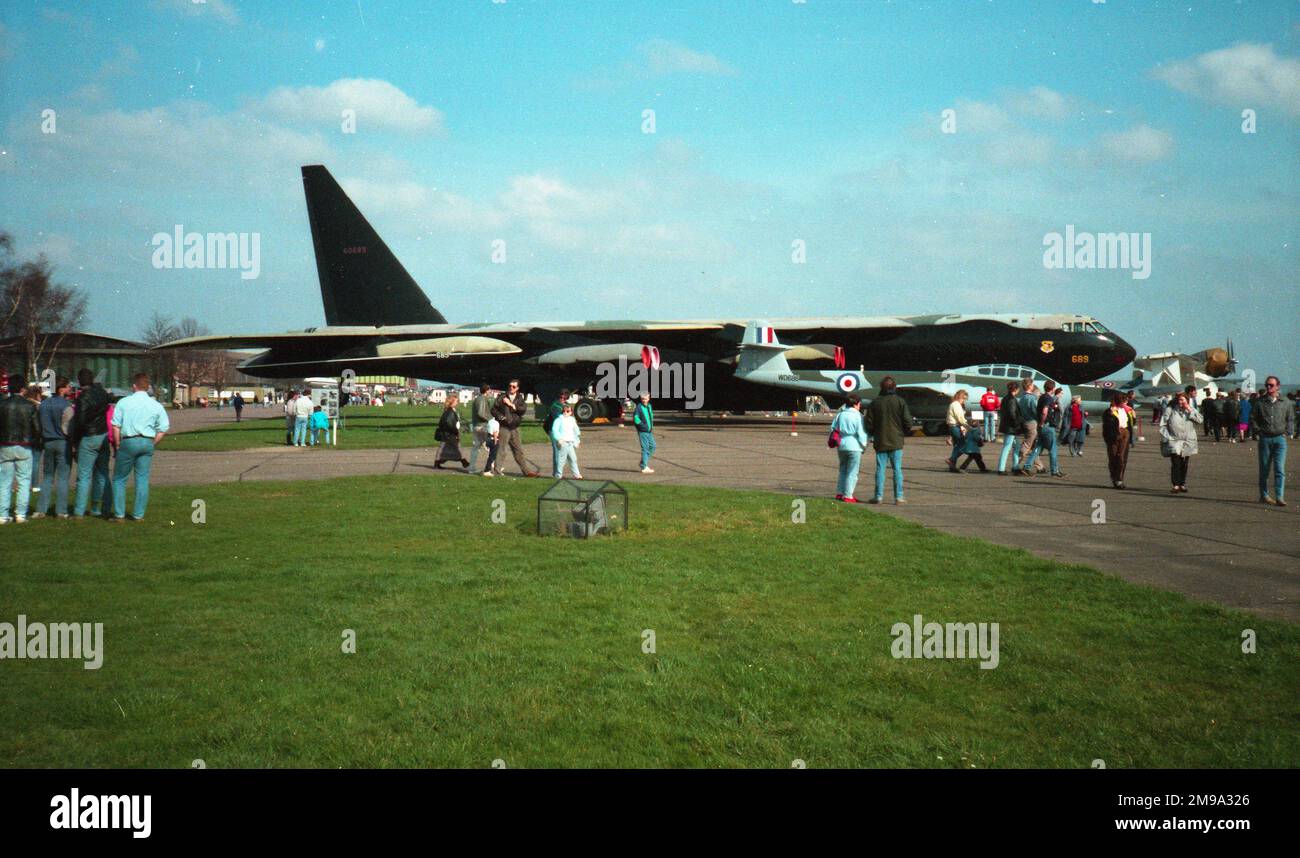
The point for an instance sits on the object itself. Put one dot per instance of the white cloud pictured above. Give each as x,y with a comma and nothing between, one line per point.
980,117
657,58
162,144
664,57
378,104
1040,102
1019,148
1244,75
544,198
600,219
421,205
1140,144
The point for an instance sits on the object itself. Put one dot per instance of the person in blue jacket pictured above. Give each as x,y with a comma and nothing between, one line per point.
852,441
318,427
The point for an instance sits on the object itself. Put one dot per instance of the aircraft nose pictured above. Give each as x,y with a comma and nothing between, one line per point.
1122,353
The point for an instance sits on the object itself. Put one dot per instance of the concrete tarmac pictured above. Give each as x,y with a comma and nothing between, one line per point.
1216,544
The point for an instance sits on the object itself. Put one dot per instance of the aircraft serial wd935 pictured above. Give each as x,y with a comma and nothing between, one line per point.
379,322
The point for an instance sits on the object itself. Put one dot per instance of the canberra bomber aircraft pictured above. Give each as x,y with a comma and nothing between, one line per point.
379,321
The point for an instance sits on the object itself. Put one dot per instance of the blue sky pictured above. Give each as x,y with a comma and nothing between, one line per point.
774,121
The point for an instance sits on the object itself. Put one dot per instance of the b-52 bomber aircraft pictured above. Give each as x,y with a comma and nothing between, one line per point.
379,322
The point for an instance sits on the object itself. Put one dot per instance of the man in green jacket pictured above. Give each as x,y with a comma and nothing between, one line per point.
643,418
888,422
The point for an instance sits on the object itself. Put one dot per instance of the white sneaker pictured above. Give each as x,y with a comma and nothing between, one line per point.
20,519
577,476
647,470
5,520
488,474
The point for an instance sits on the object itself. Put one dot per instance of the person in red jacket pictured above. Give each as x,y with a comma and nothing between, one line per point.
1078,431
990,402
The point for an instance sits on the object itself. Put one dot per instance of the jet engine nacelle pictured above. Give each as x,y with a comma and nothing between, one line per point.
596,353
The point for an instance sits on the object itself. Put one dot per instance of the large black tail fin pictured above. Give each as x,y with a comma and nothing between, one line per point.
361,281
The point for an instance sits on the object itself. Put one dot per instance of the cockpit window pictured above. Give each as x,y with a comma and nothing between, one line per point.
1097,328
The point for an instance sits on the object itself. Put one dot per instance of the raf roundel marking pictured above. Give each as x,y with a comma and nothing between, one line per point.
847,382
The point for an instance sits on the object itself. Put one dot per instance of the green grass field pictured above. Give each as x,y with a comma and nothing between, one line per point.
368,428
478,641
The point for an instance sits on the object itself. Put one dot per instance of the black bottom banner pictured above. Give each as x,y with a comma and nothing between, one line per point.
214,807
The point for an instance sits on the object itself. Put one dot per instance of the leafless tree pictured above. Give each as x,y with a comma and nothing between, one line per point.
158,330
36,310
194,365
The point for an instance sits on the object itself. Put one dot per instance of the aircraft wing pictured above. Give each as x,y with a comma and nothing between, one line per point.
268,341
407,341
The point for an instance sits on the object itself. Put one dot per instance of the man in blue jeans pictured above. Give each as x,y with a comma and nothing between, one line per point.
888,422
139,424
303,407
90,439
643,418
55,415
1273,419
1012,426
1049,424
20,433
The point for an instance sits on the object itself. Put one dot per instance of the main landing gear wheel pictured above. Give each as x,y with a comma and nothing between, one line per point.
587,410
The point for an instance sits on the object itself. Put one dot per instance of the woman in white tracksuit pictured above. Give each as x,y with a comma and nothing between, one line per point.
567,436
1178,439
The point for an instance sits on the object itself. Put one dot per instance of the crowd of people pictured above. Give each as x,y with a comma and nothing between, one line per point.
1227,414
494,427
1035,422
306,424
110,442
41,437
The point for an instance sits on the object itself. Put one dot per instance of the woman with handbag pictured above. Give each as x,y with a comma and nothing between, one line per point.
1178,439
848,438
449,434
